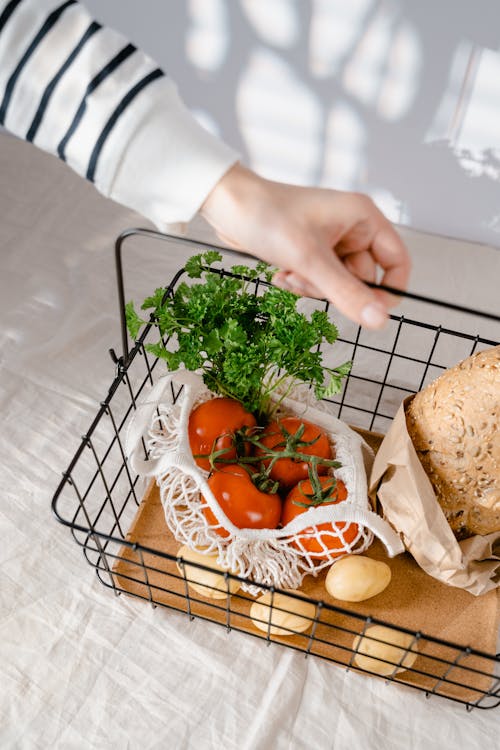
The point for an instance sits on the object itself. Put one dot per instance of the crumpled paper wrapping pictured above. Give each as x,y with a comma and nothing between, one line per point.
407,497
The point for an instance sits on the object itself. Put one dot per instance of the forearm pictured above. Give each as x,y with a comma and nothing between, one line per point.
85,94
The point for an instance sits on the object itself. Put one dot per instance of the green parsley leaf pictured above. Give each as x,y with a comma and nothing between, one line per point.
134,322
154,300
194,266
245,344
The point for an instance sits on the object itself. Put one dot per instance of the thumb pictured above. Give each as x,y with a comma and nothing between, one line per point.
347,293
331,280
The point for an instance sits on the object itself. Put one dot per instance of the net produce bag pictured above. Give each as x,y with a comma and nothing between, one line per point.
277,557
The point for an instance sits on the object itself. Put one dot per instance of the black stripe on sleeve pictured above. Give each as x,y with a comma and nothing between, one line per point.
7,12
50,21
115,116
94,26
108,69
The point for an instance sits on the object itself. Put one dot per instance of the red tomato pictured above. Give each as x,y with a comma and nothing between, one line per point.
241,501
290,471
310,537
212,425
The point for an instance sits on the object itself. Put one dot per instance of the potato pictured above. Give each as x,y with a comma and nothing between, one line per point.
370,650
355,578
209,583
297,618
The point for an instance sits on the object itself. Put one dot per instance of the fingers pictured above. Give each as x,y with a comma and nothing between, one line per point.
295,283
372,242
392,255
340,283
348,293
361,265
390,252
326,277
340,280
369,230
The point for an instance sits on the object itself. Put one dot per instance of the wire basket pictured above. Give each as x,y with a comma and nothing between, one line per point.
105,504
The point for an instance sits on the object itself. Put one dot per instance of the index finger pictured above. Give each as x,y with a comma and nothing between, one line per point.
391,254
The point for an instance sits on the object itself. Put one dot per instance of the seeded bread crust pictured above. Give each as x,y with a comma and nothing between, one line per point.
454,424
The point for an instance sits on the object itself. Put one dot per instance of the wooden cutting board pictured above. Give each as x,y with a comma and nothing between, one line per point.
413,600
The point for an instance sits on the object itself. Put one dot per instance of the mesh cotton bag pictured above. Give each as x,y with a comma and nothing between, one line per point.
275,557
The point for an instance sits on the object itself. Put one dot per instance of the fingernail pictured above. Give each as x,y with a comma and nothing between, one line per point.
374,316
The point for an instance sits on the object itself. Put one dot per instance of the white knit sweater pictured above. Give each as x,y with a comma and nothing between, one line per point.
83,92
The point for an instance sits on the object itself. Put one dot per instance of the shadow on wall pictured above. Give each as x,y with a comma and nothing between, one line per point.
393,98
396,98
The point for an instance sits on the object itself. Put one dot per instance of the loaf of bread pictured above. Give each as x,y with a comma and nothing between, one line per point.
454,424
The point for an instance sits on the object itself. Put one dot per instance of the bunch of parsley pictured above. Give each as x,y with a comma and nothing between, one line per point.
246,345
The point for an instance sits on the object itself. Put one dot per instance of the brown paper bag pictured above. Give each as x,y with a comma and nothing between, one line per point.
406,495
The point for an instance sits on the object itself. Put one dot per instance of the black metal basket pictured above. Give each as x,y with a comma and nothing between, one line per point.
99,498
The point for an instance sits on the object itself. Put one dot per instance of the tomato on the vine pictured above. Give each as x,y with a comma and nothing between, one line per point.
212,426
321,545
294,434
244,505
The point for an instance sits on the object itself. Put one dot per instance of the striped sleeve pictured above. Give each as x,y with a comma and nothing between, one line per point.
86,94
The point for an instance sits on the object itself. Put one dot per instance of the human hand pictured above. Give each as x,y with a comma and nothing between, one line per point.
325,243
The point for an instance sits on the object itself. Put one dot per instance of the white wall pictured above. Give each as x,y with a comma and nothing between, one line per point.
400,99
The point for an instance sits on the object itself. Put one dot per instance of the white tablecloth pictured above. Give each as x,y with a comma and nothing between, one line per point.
80,668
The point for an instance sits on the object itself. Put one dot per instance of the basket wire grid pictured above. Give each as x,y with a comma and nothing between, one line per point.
99,497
